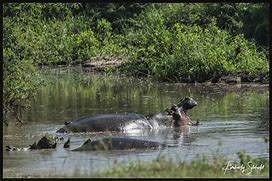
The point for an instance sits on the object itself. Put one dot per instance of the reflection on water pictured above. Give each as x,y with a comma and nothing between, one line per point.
233,119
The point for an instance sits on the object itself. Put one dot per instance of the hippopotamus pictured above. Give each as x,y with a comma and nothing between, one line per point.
126,122
181,124
119,143
44,143
102,144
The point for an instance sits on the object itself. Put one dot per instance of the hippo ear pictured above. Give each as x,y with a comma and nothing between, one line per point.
66,123
88,141
174,107
187,98
170,112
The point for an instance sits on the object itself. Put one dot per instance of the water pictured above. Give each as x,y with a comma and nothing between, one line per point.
235,118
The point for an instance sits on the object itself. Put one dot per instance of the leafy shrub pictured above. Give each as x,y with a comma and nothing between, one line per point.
86,45
20,81
189,52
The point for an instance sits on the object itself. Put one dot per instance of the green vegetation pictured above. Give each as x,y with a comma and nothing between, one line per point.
200,167
183,42
20,83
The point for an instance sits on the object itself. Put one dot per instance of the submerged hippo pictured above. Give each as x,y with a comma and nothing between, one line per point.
119,143
102,144
126,122
44,143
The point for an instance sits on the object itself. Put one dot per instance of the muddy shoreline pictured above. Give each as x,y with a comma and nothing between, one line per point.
102,64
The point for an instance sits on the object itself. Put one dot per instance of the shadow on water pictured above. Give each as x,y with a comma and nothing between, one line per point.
234,118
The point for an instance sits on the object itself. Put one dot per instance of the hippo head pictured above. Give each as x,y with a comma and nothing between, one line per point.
187,103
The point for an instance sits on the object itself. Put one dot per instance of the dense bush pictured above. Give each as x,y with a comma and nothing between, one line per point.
251,19
180,52
20,83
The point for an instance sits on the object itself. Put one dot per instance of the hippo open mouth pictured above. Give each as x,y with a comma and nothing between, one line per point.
187,103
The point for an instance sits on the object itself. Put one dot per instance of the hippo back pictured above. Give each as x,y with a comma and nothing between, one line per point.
160,120
118,143
107,122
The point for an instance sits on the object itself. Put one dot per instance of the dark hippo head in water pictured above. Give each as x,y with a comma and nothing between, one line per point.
126,122
45,142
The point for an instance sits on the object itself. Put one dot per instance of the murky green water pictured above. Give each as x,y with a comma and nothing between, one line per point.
234,119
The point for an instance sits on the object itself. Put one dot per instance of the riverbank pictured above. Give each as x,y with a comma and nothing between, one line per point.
113,64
